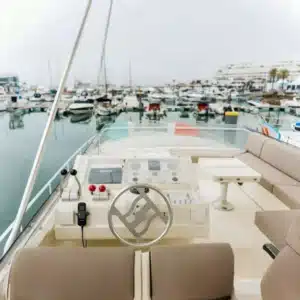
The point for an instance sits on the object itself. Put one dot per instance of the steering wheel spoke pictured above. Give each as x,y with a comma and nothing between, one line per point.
138,214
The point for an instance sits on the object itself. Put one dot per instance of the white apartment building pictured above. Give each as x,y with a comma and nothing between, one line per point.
247,71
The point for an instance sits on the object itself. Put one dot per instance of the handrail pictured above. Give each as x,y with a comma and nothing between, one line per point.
48,185
37,161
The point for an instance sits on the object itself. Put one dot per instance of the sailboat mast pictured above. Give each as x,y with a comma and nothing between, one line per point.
130,75
105,76
37,161
50,73
104,43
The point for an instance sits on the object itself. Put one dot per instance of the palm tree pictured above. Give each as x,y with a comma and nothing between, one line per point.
272,75
283,74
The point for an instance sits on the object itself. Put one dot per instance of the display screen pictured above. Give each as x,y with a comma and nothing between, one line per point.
105,176
153,165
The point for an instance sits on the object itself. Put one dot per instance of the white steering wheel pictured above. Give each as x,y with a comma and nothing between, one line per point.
140,216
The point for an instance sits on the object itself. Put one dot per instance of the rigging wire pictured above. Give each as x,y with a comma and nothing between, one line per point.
104,41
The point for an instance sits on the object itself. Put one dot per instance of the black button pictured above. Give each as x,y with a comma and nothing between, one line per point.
134,179
175,179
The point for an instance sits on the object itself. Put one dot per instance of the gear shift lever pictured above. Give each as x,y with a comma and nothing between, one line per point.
73,172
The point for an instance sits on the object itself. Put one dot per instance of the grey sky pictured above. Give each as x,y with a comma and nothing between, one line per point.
165,39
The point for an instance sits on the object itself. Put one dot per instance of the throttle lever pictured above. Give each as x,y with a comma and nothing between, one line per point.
73,172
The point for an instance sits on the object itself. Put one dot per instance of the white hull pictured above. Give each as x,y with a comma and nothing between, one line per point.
80,111
80,108
102,111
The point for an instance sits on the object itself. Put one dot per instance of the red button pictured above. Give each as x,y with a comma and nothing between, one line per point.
102,188
92,188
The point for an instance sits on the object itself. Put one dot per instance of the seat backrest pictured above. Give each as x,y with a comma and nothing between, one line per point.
283,157
255,143
282,279
72,274
199,271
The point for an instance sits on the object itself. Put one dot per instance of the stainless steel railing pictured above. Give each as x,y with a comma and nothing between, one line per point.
50,184
36,164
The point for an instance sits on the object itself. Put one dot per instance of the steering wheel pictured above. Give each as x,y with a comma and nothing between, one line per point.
140,215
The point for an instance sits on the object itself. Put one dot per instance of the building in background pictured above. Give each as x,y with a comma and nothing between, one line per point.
251,71
9,80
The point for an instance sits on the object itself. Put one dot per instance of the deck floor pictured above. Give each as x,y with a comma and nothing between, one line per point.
237,226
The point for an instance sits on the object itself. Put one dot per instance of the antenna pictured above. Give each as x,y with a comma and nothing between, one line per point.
38,157
104,42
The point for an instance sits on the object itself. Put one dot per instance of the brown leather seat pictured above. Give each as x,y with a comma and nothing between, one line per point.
205,271
72,274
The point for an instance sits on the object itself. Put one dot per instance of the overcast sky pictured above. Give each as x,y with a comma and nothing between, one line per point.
164,39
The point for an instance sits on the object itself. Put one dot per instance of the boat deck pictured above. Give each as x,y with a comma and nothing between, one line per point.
235,227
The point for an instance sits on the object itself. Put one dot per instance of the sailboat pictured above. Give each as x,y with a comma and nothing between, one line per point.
156,213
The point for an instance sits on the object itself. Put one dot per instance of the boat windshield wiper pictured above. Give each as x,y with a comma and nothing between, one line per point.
37,161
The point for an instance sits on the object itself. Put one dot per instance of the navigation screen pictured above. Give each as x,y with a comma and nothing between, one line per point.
153,165
105,176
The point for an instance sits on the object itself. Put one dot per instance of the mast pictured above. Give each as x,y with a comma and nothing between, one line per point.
104,42
50,74
105,76
130,75
37,161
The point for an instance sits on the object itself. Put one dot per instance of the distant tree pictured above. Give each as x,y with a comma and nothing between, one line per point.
283,74
273,75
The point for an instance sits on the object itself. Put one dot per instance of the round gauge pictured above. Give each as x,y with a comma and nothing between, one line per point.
135,166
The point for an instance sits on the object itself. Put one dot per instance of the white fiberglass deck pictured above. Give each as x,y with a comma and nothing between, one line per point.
235,227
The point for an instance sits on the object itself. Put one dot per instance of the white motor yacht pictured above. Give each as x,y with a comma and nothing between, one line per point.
162,188
158,212
37,97
104,111
131,102
80,108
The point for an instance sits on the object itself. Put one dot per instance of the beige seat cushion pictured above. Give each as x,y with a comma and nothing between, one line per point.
270,175
281,281
202,271
289,195
276,224
255,143
283,157
73,274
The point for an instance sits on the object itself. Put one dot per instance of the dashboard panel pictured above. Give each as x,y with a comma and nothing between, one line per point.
159,171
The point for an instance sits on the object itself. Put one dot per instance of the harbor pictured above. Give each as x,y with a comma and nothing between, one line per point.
19,143
152,145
